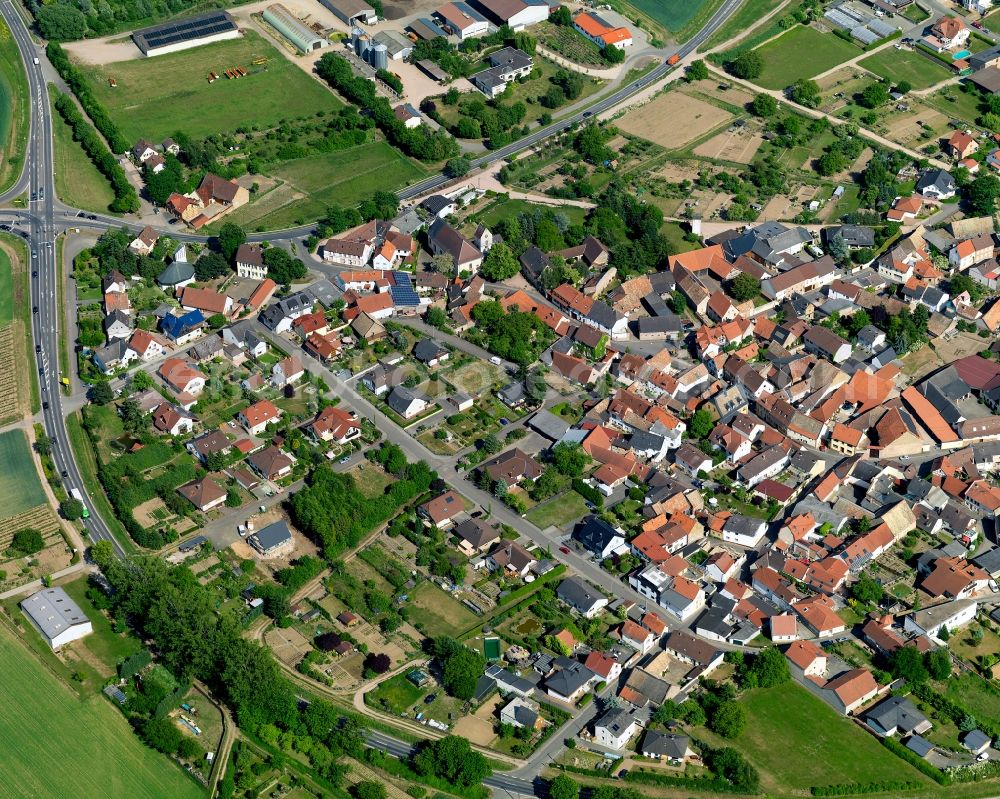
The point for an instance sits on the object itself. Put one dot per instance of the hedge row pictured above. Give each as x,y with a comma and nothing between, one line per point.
854,788
916,761
955,711
706,783
126,200
76,80
399,768
134,664
589,493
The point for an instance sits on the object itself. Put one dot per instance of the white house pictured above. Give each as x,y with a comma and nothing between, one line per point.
615,728
57,617
743,530
930,621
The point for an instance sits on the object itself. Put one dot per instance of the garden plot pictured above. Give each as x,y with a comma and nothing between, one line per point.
737,145
288,645
478,727
908,127
673,120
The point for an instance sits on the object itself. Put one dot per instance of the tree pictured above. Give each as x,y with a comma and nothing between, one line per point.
563,787
141,381
908,663
499,263
188,748
161,734
369,789
458,167
614,55
697,71
378,663
938,662
43,444
764,105
27,541
734,768
101,393
982,194
217,321
569,459
462,670
231,236
210,266
744,287
678,302
904,87
944,634
436,317
770,668
805,92
837,248
233,498
701,424
562,16
453,760
281,267
61,22
491,444
748,65
867,590
133,419
875,95
729,719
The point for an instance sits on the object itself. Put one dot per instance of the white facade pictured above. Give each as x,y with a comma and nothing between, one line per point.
187,44
56,617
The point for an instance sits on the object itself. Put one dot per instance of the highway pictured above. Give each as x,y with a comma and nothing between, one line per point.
41,225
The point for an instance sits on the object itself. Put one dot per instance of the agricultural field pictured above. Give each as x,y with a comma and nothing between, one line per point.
783,61
98,753
674,119
155,98
307,186
18,380
6,289
748,14
20,489
14,104
78,181
797,741
682,18
895,66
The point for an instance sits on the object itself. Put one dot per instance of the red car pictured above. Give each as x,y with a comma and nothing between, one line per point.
564,550
978,25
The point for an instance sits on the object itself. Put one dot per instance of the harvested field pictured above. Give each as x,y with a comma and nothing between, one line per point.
737,146
673,120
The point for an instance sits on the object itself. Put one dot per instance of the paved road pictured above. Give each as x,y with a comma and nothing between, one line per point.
45,282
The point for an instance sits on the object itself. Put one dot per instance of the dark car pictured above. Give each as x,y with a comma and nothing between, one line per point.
38,348
430,698
41,371
564,550
587,114
91,216
65,473
34,273
45,406
34,309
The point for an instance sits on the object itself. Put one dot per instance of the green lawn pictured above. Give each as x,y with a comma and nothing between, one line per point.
20,489
6,289
954,103
344,177
396,695
797,741
976,695
78,181
14,104
435,612
65,747
156,97
676,242
784,61
502,209
104,643
558,511
895,66
745,17
992,22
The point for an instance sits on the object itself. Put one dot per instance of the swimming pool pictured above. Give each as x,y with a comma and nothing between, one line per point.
961,54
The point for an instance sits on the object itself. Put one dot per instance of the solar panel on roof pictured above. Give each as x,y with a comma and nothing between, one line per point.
183,30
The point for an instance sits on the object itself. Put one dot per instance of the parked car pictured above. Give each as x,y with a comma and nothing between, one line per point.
564,550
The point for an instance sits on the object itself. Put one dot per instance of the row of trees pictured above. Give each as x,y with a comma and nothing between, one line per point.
168,606
78,83
420,142
126,200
